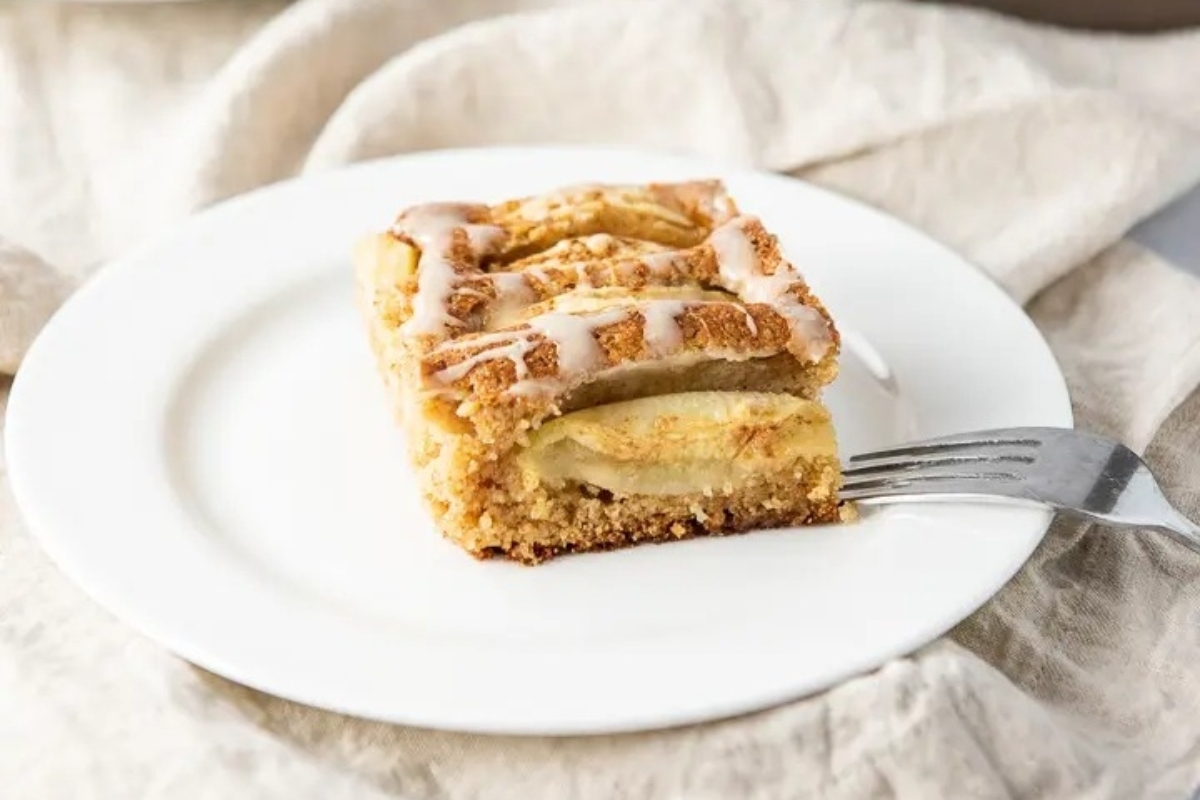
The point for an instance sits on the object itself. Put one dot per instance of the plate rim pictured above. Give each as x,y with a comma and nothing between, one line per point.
127,611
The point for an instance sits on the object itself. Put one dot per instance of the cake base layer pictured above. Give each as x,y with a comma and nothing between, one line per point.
579,518
657,468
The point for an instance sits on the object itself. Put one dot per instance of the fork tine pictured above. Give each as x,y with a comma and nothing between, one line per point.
894,464
943,483
984,440
935,475
965,488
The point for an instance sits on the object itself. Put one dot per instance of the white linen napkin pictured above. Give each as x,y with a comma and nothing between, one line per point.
1030,150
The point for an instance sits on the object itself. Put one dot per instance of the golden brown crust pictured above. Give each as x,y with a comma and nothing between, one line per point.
480,367
673,214
666,215
751,331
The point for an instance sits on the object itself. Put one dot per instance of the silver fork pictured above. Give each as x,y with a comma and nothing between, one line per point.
1067,470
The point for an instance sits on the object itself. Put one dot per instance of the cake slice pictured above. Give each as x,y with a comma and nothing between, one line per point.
601,366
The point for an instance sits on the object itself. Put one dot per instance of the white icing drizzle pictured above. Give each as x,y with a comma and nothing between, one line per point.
485,339
573,337
514,351
485,239
583,278
432,227
741,273
661,332
661,264
737,263
537,272
578,351
513,293
722,206
435,281
599,243
751,325
512,287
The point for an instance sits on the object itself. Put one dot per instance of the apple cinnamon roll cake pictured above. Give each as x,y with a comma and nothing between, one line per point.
602,366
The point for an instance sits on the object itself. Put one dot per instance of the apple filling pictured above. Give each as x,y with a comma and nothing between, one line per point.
674,444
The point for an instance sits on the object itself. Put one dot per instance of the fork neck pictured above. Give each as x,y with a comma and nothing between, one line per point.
1182,529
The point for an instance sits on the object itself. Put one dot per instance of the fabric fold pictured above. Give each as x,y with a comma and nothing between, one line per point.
30,292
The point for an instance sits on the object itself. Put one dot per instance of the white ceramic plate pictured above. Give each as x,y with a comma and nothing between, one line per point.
199,440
